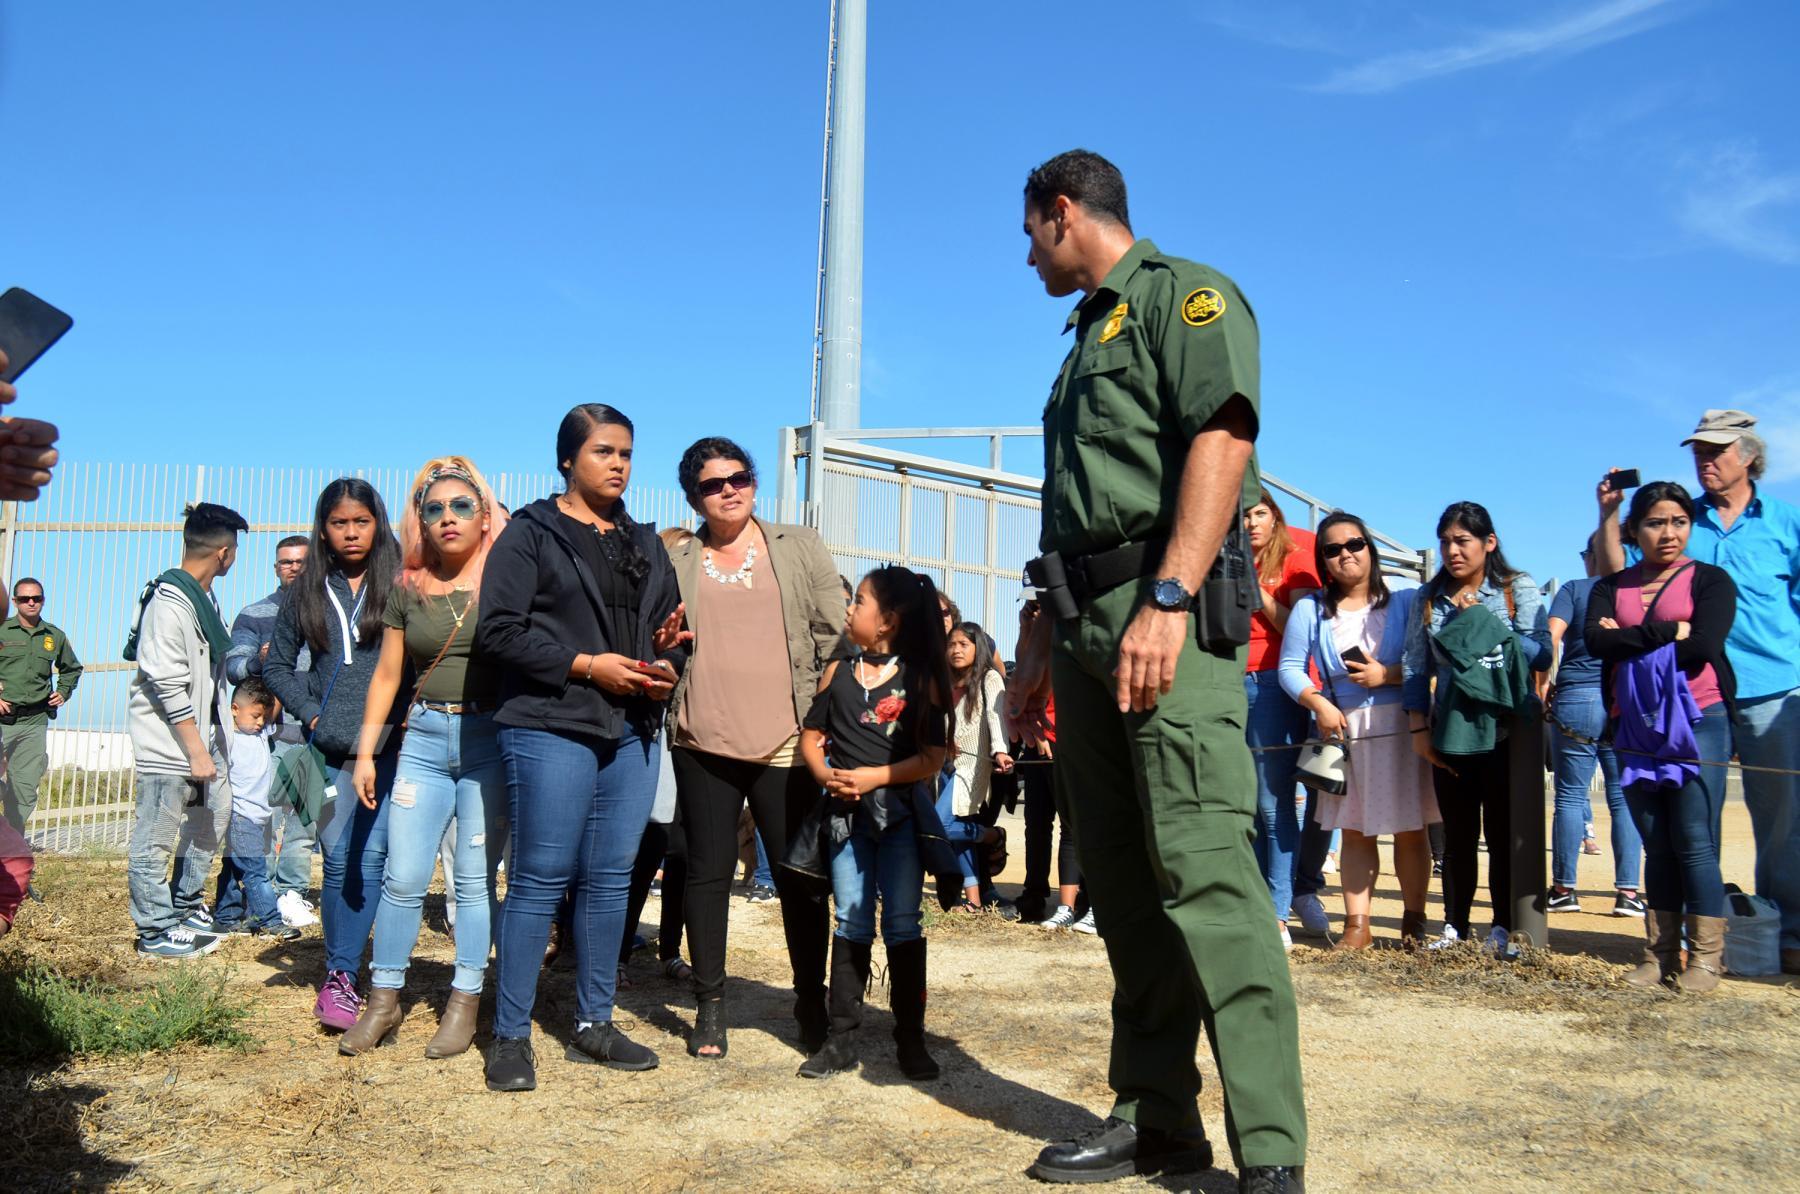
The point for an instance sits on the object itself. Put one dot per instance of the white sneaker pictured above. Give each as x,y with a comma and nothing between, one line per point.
1287,940
1450,937
1086,924
1063,919
1312,914
294,912
1329,866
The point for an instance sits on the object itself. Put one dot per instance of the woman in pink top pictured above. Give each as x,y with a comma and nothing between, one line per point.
1667,600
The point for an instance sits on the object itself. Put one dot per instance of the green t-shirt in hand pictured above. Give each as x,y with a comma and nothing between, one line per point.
429,620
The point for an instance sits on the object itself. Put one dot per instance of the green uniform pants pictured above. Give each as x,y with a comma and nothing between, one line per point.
23,741
1161,805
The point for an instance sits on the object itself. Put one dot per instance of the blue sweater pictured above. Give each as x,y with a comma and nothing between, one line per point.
1308,636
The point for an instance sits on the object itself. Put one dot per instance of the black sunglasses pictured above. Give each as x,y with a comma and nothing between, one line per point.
714,486
32,598
1331,551
465,508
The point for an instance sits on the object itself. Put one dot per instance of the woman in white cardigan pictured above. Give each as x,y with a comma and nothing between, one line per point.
978,751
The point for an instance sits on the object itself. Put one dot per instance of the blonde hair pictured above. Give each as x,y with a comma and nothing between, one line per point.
413,539
674,537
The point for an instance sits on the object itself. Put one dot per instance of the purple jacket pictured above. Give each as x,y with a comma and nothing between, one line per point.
1656,720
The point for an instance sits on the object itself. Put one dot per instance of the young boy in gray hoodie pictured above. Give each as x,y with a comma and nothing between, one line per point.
178,738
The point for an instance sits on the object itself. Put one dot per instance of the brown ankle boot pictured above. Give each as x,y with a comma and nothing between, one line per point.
1356,935
1706,954
456,1028
1412,928
381,1016
1662,950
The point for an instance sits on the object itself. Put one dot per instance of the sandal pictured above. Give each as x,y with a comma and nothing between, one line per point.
709,1031
996,853
624,980
677,969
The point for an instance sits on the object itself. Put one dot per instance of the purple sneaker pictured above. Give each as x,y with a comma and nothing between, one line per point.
338,1004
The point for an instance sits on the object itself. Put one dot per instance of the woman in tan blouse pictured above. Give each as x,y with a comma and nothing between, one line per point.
767,609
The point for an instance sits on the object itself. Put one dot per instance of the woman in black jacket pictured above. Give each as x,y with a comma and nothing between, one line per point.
579,607
1668,600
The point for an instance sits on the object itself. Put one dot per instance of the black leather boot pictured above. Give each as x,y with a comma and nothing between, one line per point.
849,979
1118,1149
906,989
1272,1179
808,931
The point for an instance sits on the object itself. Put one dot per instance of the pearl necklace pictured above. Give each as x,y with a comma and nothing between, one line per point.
741,576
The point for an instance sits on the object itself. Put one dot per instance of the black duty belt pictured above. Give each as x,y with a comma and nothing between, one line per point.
1066,582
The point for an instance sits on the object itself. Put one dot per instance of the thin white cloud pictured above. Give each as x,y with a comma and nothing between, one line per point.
1594,26
1736,201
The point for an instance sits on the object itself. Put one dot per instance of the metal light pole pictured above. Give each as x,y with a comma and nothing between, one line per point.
838,403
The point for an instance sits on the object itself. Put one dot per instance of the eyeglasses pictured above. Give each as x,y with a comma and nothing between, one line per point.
1331,551
29,598
300,563
714,486
465,508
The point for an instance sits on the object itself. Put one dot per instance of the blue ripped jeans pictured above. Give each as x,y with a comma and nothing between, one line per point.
871,862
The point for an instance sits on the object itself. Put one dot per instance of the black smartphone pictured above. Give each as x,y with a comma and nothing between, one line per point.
28,327
1625,478
1355,655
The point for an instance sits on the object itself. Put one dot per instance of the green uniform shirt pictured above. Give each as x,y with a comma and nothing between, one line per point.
1160,346
26,660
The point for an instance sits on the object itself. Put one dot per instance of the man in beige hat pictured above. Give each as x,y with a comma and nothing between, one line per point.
1756,539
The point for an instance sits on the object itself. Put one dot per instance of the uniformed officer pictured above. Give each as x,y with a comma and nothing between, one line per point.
30,650
1148,460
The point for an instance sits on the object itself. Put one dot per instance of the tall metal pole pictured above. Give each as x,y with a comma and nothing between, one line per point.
840,345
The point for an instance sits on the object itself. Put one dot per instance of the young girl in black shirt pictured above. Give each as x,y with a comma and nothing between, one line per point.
879,727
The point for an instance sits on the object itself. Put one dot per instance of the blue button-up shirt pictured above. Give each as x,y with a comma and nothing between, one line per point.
1761,552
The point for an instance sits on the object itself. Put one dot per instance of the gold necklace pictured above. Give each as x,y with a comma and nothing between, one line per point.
467,606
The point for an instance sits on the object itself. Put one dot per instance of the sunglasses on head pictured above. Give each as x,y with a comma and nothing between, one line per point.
714,486
1331,551
465,508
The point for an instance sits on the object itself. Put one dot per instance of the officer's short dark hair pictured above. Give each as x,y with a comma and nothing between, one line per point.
713,447
210,526
292,541
1086,178
27,580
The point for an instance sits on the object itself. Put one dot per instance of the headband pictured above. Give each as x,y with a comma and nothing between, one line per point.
453,472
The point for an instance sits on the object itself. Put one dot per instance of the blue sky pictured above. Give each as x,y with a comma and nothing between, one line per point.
1494,248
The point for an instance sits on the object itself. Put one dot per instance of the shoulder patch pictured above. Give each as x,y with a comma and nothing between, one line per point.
1202,306
1114,322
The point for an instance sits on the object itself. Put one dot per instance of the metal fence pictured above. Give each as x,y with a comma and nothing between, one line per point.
102,530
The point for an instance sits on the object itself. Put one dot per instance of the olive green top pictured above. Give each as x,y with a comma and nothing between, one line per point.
1160,346
428,622
27,658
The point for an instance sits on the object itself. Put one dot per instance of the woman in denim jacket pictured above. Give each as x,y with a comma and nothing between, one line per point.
1470,786
1388,787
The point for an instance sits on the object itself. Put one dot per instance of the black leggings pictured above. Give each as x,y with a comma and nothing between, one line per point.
1481,785
710,791
1040,818
663,846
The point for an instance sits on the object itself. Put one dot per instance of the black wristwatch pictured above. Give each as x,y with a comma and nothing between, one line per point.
1171,595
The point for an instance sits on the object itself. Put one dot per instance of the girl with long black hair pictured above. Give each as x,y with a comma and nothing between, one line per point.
580,612
1471,772
333,610
879,726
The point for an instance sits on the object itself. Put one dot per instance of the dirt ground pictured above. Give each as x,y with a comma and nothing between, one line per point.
1448,1072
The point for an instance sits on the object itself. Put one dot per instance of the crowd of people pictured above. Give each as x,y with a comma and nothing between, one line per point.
569,697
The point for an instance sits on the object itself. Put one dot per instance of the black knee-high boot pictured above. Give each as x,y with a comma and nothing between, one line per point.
849,979
808,940
906,985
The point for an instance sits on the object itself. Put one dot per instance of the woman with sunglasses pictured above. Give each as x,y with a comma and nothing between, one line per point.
1290,849
766,608
449,753
580,615
1352,633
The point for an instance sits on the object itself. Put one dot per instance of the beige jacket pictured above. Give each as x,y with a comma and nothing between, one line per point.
812,607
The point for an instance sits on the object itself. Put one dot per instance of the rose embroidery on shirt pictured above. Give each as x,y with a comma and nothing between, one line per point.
886,712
